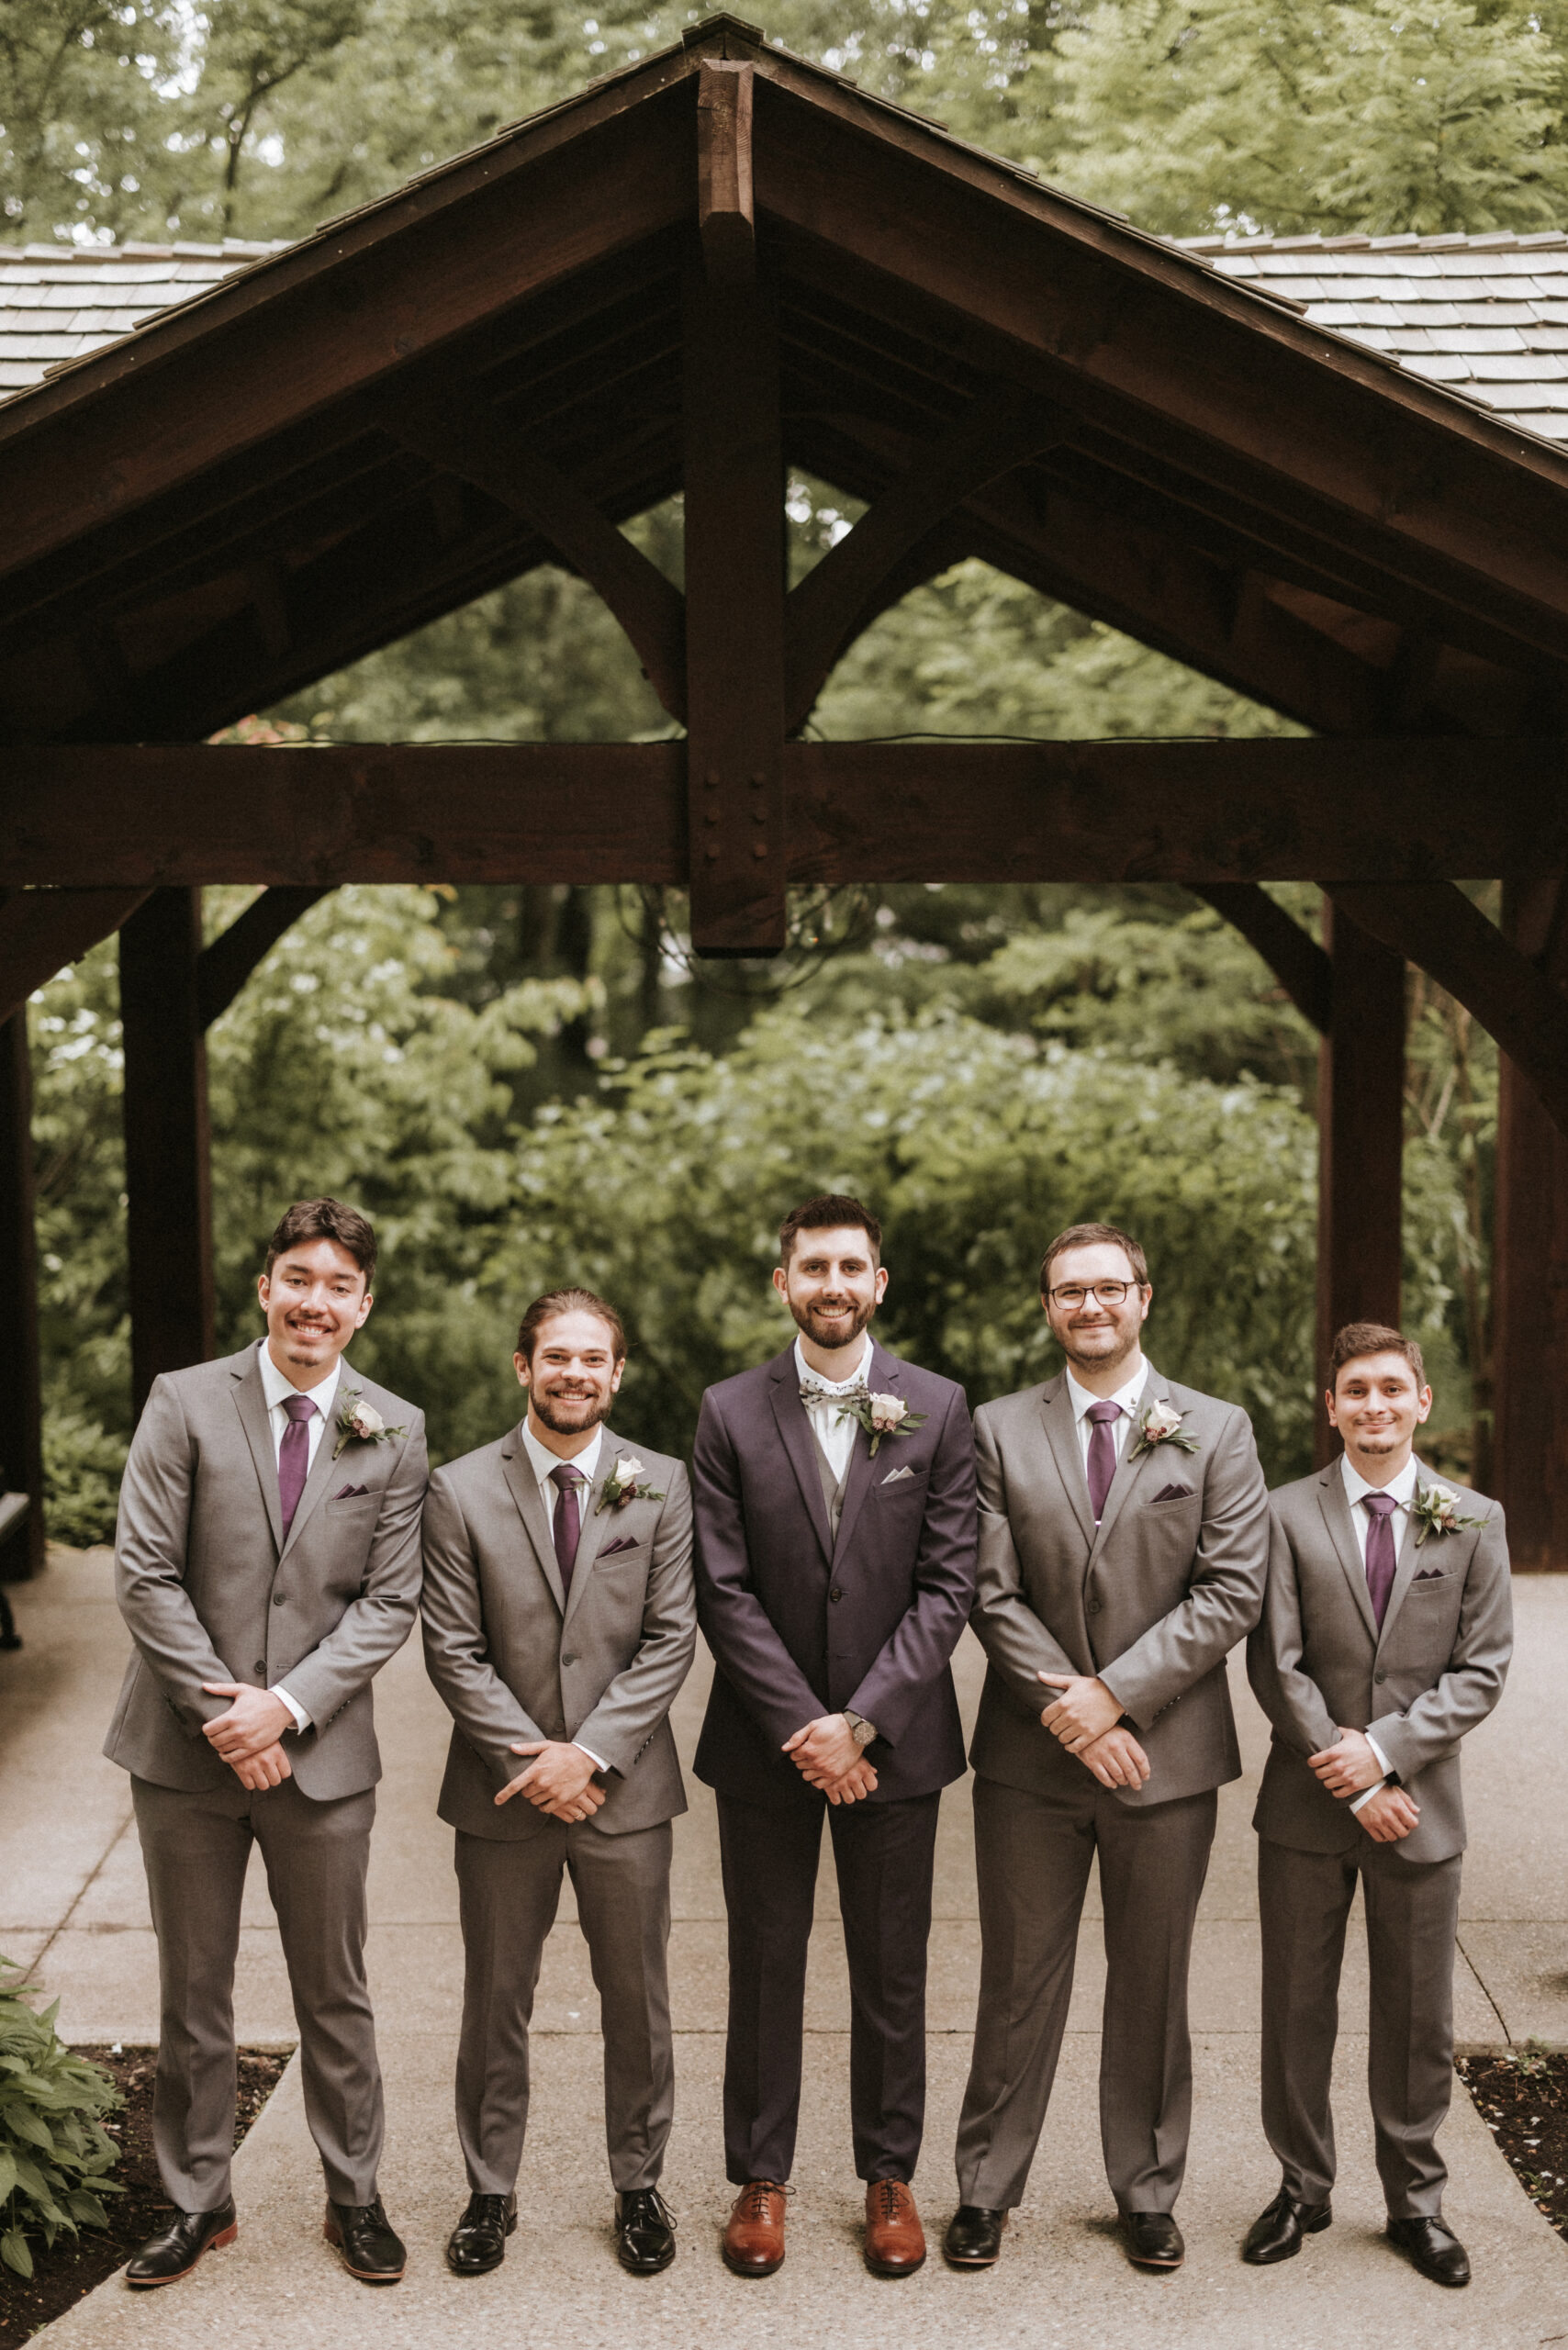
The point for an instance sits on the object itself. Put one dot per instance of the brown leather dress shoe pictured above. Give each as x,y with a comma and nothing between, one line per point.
753,2232
895,2241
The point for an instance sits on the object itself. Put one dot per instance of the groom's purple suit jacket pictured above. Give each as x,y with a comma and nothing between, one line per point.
801,1625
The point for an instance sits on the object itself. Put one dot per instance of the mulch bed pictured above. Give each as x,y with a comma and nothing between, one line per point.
76,2264
1523,2100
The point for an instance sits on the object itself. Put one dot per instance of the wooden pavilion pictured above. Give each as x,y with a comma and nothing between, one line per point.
716,264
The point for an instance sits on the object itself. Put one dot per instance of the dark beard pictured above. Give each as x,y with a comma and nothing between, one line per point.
549,1412
835,1345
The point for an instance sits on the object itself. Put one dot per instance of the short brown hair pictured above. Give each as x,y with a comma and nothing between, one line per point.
1358,1339
325,1220
1094,1235
569,1301
822,1214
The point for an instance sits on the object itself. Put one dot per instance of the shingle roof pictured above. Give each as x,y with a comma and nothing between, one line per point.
58,301
1485,317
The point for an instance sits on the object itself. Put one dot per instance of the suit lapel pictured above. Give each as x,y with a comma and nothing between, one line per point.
250,1402
1128,1471
884,1373
795,1431
518,1473
1334,1503
1061,1428
1404,1568
593,1526
322,1466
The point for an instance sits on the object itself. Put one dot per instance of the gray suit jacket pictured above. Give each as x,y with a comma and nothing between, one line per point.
1318,1663
515,1659
1152,1601
211,1591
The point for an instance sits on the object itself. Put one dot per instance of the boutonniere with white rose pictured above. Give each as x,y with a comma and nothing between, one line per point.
622,1486
1160,1422
1436,1511
360,1423
882,1415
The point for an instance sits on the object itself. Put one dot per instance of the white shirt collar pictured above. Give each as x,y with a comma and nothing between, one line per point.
544,1461
832,1386
277,1389
1127,1396
1402,1487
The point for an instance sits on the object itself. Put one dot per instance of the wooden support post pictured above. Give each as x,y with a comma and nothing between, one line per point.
21,1416
1530,1286
169,1217
1360,1115
735,580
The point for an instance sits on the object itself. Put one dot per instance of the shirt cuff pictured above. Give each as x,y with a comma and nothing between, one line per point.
597,1761
1365,1796
1379,1757
301,1719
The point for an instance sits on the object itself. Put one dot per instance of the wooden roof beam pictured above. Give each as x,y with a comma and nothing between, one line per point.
223,968
43,930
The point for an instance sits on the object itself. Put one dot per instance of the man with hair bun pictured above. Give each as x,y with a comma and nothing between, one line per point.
1384,1639
267,1566
559,1624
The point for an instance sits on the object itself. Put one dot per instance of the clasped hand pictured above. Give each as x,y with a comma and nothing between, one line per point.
247,1737
1086,1717
826,1756
1348,1768
558,1781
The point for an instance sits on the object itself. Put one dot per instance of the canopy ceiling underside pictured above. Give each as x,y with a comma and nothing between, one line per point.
218,509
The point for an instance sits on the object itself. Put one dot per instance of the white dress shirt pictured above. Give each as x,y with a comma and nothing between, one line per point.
1127,1397
543,1463
834,1430
1402,1489
277,1391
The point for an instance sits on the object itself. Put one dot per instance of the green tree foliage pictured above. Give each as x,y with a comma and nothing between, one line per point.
54,2151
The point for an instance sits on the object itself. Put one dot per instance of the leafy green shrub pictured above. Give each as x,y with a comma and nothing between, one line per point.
82,1464
54,2151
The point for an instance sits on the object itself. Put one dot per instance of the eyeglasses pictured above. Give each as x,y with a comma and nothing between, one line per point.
1071,1295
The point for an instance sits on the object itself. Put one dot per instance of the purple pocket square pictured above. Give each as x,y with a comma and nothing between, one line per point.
621,1542
1172,1494
350,1493
1429,1574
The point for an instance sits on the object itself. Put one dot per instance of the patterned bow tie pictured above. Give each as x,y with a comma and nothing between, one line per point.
846,1398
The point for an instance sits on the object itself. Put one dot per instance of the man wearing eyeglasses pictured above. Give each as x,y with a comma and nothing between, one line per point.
1124,1553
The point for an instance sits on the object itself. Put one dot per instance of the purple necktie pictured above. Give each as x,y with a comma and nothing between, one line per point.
294,1456
1381,1560
568,1520
1102,1454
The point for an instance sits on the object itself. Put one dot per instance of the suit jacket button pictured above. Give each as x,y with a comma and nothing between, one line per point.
569,1659
1380,1676
260,1665
1094,1607
835,1595
277,1599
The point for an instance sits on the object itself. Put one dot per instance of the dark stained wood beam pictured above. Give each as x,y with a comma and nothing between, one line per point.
726,222
1435,925
734,618
1391,810
836,598
450,433
223,968
167,1144
1360,1141
1293,956
43,930
21,1393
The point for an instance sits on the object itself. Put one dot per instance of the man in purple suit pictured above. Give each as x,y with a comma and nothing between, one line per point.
835,1499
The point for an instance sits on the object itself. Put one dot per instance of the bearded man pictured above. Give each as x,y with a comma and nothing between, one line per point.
559,1624
835,1499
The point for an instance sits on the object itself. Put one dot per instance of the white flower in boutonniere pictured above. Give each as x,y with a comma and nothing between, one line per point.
360,1423
622,1486
1160,1422
1436,1511
882,1415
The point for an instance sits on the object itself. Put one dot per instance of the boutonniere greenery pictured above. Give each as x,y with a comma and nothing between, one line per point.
1160,1422
623,1485
360,1423
1435,1509
882,1415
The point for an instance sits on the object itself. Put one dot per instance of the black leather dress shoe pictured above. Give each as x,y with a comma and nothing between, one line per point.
1276,2233
1154,2241
362,2234
974,2236
478,2242
644,2232
173,2252
1432,2247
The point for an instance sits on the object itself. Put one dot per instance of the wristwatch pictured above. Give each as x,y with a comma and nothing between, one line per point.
860,1729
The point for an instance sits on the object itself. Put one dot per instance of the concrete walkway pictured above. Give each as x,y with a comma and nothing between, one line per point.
72,1906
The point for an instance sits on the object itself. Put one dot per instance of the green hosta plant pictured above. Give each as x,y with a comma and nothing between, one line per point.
54,2151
